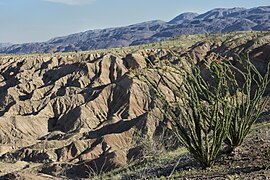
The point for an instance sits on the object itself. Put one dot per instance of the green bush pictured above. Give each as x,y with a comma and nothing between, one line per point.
209,108
198,110
248,86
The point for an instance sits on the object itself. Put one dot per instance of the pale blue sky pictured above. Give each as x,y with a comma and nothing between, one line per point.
40,20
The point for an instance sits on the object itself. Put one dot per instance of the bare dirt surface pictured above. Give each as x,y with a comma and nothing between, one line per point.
249,161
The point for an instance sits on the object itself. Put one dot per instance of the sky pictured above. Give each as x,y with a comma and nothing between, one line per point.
25,21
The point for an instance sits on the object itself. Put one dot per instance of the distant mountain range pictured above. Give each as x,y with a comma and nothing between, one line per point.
214,21
5,45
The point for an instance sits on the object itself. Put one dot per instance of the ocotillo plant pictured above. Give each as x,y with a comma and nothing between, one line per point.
198,111
247,97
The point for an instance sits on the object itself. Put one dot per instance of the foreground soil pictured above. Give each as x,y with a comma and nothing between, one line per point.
249,161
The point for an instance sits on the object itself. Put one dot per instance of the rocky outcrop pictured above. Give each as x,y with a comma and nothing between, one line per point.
72,108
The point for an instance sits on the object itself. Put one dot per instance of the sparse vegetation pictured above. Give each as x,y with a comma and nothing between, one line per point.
197,110
205,112
248,99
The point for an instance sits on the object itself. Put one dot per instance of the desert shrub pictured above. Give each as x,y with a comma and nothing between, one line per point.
247,87
198,111
208,108
152,146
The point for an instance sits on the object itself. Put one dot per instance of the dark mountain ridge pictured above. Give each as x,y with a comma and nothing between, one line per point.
218,20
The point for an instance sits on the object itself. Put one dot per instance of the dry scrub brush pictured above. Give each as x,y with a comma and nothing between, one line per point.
247,98
203,113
